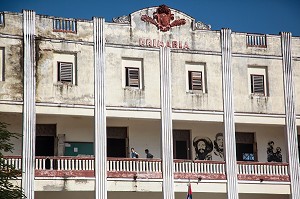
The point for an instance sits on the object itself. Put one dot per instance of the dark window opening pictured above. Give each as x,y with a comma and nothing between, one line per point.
257,84
133,77
195,80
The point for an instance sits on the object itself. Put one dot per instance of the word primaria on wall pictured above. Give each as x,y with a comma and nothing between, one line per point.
157,43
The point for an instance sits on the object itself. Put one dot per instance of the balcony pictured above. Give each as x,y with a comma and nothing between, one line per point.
152,168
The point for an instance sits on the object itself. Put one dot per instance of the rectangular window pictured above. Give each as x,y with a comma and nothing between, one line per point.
65,71
257,84
64,25
132,73
195,80
132,77
64,68
2,64
257,78
195,77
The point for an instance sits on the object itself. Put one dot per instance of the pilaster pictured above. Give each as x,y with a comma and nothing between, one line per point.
100,110
228,106
290,115
166,123
29,117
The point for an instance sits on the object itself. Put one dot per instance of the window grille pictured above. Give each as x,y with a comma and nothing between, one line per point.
256,41
65,72
132,77
195,80
64,25
257,84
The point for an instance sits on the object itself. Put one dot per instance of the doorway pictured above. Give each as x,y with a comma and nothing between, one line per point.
245,147
181,144
45,141
117,142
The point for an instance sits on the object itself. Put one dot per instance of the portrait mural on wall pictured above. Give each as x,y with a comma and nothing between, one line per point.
205,149
218,147
273,155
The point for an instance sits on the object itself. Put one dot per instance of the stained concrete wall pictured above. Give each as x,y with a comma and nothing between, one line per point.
123,42
246,102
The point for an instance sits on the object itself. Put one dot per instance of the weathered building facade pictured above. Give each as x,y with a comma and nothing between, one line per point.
217,109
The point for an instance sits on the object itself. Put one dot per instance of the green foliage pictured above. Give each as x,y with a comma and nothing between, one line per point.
8,172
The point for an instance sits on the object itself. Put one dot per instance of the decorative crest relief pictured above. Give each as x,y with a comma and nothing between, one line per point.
202,26
123,19
163,19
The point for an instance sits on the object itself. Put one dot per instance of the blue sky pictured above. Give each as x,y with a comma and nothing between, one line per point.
252,16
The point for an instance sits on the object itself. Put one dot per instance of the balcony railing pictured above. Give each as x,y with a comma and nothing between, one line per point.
256,41
152,168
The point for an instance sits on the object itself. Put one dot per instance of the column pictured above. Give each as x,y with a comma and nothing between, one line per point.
100,110
166,123
29,118
228,106
290,115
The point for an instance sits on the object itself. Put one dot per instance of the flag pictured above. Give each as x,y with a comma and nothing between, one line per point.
189,194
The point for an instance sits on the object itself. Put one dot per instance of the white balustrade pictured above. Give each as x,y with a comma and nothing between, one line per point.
152,165
199,167
263,169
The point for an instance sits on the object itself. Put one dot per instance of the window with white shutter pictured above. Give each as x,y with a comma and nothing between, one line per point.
195,80
258,80
132,77
65,72
257,84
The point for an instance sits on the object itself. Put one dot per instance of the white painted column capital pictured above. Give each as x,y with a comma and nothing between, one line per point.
29,117
229,125
290,115
166,123
100,110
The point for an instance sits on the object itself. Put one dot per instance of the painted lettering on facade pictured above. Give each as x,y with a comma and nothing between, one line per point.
155,43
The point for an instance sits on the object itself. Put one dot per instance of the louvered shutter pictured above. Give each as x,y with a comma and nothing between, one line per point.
257,84
132,77
65,70
195,80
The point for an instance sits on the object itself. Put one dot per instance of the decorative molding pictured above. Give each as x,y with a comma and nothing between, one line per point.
163,19
290,126
202,26
29,115
125,19
166,124
100,110
229,125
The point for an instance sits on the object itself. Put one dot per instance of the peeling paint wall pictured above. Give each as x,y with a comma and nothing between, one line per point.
12,86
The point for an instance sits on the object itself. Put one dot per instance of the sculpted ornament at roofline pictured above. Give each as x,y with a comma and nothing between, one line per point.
123,19
202,26
163,19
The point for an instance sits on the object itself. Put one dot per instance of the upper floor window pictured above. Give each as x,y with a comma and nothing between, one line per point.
64,67
195,80
1,19
246,147
256,40
2,61
132,73
132,77
257,78
65,71
195,73
64,25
